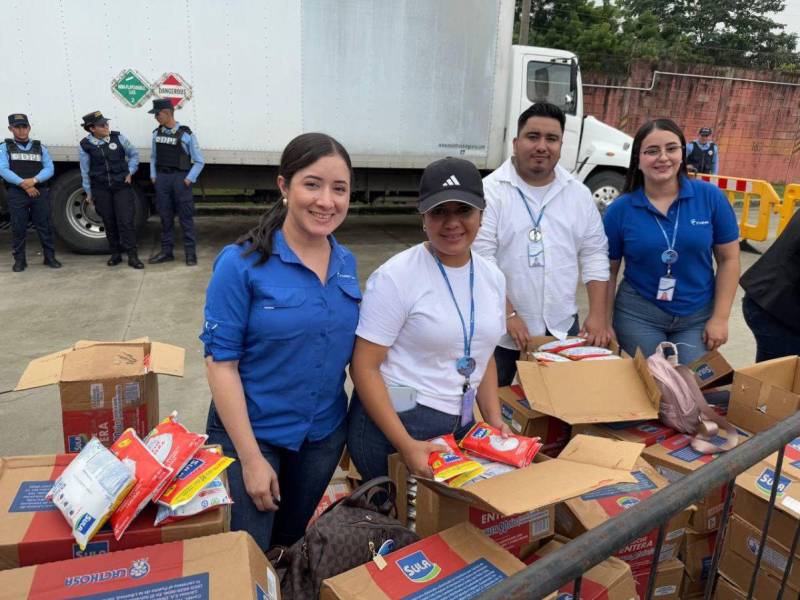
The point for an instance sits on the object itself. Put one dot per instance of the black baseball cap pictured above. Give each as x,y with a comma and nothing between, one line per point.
450,180
18,119
705,131
93,119
160,104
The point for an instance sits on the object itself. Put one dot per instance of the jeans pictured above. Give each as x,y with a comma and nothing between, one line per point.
302,475
639,323
773,338
23,209
370,449
174,196
506,359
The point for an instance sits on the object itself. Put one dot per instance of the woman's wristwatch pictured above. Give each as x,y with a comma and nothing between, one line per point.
511,315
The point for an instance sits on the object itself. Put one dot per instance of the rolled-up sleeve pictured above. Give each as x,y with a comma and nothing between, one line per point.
227,309
593,253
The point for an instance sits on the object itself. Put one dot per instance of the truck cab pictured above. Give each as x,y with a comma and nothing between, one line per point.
595,153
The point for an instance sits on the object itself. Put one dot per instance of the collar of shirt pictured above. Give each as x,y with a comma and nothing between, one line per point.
98,141
26,146
638,197
287,255
508,174
168,130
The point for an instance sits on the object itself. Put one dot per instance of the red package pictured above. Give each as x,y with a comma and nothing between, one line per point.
556,346
487,441
173,445
204,466
150,475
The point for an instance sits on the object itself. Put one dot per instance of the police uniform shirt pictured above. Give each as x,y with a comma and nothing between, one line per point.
131,153
190,146
12,178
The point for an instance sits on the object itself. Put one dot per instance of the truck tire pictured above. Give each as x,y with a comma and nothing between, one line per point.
605,186
75,220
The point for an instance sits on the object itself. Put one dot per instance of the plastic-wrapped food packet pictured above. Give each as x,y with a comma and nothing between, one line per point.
150,476
488,442
452,466
548,357
556,346
213,495
606,357
582,352
89,490
204,466
173,445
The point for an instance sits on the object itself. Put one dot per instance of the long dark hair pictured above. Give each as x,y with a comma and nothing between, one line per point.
301,152
634,179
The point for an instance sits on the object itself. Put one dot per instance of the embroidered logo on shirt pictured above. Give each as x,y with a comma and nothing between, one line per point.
699,222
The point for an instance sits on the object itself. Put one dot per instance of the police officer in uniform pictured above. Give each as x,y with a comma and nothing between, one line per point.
175,164
108,162
702,155
25,166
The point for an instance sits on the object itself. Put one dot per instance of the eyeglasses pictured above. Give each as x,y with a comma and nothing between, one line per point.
655,152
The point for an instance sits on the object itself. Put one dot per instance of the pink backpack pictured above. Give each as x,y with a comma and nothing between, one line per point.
683,406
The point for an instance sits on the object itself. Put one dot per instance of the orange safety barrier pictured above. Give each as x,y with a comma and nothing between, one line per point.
739,188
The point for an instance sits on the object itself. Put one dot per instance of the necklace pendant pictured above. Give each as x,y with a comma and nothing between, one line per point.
465,366
535,235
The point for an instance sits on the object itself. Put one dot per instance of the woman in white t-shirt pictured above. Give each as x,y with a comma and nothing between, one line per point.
430,320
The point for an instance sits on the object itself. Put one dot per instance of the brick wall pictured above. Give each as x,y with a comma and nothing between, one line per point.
756,125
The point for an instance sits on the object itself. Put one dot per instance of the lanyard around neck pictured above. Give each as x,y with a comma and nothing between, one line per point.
467,338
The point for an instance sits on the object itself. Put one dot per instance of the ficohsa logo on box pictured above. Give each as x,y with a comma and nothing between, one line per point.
418,568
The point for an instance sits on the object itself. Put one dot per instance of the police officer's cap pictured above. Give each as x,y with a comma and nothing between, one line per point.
160,104
705,131
18,119
93,119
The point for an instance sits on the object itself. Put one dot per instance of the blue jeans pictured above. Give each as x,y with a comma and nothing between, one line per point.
639,323
773,338
370,449
302,475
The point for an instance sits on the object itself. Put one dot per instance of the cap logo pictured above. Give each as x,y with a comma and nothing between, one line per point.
452,180
98,114
19,117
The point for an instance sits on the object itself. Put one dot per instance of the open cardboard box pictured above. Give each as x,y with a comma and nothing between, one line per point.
712,370
600,391
105,387
523,420
765,393
645,432
587,463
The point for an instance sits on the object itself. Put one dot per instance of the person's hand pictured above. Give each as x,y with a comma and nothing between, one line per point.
27,184
32,192
516,328
261,483
416,457
715,333
128,178
596,331
187,183
505,430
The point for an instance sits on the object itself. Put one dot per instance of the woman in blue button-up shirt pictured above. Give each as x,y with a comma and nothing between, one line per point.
280,319
670,230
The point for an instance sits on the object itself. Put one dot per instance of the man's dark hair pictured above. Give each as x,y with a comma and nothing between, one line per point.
542,109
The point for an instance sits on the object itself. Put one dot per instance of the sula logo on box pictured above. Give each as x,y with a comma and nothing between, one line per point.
418,568
627,501
765,481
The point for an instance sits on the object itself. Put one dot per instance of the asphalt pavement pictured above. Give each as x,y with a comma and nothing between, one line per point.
44,310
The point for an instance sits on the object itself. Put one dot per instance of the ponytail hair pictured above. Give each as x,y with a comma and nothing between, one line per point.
303,151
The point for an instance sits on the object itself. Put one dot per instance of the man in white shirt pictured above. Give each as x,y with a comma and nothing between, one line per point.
542,227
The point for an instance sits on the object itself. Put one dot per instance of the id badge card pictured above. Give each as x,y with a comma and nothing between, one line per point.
467,406
536,254
666,288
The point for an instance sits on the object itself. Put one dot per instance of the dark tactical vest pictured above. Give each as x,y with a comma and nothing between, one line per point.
107,163
702,160
24,163
169,150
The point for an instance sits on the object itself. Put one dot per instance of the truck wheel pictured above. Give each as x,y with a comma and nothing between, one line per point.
76,221
605,186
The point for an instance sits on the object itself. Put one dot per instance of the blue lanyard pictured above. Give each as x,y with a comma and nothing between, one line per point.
535,221
670,246
467,340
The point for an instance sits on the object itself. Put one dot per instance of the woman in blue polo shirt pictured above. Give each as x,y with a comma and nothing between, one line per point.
280,319
667,228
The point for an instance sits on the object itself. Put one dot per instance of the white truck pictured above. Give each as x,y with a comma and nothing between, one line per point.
399,83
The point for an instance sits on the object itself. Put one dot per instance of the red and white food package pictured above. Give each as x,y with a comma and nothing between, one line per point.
556,346
213,495
545,357
150,475
173,445
204,466
582,352
607,357
487,441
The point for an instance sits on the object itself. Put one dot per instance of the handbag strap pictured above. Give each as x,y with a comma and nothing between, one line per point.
364,495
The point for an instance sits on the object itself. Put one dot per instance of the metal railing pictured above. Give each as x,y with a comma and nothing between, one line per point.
572,560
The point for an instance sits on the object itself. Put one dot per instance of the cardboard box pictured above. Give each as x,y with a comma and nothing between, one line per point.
338,488
580,514
455,563
673,458
738,571
435,513
228,565
610,580
591,391
712,370
726,590
669,579
105,387
645,432
33,531
744,539
523,420
586,464
697,553
765,393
